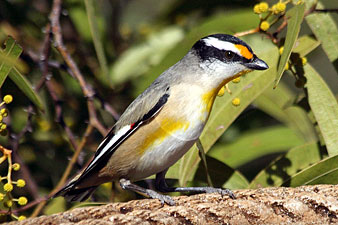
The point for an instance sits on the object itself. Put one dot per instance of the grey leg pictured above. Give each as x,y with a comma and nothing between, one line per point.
162,186
127,185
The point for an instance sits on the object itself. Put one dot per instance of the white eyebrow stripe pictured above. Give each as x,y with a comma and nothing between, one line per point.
221,45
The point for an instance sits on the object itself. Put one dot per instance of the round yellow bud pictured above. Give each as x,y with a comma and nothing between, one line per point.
16,166
21,218
8,187
1,118
265,26
263,6
304,61
280,6
236,101
287,66
8,203
257,9
221,92
8,99
21,183
22,200
281,50
4,112
2,196
236,80
3,126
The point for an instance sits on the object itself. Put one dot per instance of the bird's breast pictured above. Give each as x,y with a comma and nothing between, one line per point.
173,131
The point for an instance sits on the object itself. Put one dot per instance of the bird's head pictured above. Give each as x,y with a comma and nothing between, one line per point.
225,57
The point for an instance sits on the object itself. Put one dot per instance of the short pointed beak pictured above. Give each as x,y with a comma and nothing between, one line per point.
257,64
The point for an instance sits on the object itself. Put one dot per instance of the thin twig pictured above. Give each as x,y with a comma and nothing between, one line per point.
44,58
31,185
326,10
66,173
247,32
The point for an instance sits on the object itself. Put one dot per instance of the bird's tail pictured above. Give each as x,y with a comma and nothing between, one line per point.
71,193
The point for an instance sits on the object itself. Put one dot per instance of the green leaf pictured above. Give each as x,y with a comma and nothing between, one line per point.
204,161
324,107
221,175
13,51
94,30
138,59
283,168
274,102
24,85
224,113
296,15
87,204
78,13
255,144
305,44
323,172
56,205
325,29
8,60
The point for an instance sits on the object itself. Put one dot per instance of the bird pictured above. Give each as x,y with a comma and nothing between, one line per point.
165,121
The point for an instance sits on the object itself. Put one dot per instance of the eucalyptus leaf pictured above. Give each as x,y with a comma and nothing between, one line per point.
275,103
94,30
296,15
280,171
322,172
56,205
25,86
12,51
221,175
324,107
325,29
138,59
254,144
305,44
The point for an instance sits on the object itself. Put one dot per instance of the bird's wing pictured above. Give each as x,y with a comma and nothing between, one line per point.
141,110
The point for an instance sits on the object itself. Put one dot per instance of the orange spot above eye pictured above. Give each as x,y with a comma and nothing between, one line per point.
244,51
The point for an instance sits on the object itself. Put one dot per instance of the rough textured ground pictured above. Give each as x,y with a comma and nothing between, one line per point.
302,205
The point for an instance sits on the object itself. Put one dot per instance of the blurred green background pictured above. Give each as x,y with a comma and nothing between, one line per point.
139,40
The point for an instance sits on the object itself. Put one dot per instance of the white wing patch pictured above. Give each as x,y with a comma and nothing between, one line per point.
106,148
221,45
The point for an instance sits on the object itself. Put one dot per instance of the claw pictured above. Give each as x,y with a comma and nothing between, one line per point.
163,198
221,192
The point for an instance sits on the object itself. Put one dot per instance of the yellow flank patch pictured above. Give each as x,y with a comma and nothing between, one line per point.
244,51
209,98
167,127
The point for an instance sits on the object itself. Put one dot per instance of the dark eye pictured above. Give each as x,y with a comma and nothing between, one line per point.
229,54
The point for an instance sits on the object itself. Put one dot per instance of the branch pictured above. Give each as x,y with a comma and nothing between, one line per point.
86,88
302,205
326,10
